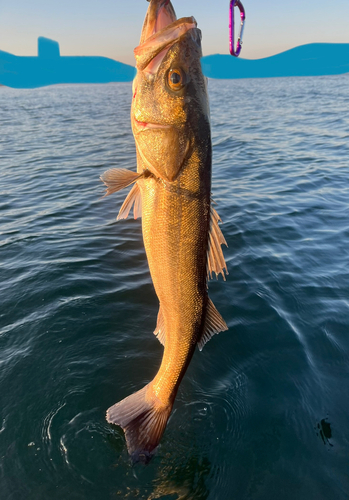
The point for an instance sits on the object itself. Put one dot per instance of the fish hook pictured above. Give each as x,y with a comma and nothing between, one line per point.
233,4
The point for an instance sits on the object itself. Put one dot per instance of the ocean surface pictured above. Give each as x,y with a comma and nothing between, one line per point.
263,411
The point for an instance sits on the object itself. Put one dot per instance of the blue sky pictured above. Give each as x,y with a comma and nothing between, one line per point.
112,28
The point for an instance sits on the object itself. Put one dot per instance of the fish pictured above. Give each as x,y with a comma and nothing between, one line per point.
171,192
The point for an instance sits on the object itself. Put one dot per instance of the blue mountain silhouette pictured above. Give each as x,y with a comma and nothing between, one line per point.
49,67
313,59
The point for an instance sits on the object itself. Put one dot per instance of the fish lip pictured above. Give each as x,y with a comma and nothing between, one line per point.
140,126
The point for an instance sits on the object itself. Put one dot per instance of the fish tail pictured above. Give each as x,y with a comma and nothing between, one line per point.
143,417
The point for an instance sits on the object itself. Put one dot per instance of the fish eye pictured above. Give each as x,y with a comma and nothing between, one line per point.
176,79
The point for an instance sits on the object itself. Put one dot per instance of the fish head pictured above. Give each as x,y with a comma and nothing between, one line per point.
170,105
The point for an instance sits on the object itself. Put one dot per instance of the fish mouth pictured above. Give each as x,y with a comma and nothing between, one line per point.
140,126
161,30
160,14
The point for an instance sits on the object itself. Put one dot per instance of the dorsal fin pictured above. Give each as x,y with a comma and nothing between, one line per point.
133,197
215,258
214,323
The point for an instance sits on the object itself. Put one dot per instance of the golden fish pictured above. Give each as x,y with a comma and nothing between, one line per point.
172,193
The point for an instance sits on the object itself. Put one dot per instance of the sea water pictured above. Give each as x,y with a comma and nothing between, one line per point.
263,411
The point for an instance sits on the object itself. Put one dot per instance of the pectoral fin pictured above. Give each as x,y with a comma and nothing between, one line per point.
215,258
133,198
214,323
118,178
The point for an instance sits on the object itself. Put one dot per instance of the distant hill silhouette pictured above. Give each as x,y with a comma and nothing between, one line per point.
313,59
49,67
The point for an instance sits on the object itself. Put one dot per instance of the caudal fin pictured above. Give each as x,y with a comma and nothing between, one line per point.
143,419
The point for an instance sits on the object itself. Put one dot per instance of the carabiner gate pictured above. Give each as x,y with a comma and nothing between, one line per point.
235,3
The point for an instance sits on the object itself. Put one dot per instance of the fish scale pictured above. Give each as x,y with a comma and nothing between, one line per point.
176,245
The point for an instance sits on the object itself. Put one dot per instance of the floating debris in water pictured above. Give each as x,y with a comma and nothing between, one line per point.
323,429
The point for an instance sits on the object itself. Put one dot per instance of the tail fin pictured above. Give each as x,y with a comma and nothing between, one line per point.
143,418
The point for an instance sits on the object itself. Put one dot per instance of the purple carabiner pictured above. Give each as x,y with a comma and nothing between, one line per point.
236,3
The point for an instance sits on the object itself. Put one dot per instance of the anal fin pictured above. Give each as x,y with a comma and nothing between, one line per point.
214,323
160,328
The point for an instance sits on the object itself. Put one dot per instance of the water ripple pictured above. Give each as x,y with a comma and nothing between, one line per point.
78,306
